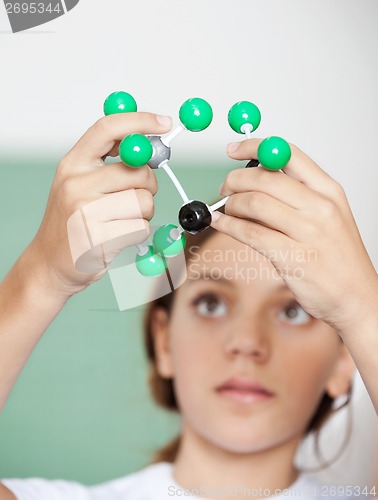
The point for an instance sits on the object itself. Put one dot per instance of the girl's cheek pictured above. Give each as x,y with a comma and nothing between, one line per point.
309,379
193,352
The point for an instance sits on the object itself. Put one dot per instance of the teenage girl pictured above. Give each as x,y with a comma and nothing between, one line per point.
252,352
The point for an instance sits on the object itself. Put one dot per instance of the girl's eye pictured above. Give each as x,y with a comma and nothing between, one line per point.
210,305
295,313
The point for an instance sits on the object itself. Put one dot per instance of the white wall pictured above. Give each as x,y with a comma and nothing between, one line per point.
310,66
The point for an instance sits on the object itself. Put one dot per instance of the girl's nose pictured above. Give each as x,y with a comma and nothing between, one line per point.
251,340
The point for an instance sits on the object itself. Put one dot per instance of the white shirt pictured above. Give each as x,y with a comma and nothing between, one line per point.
156,482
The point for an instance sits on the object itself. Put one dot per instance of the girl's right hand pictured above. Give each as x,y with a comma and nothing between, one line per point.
94,210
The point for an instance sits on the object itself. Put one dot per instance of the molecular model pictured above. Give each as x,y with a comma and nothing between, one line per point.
137,150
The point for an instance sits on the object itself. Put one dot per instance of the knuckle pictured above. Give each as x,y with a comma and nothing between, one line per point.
229,181
153,184
338,190
68,188
148,230
145,174
328,209
101,125
313,230
63,169
147,204
256,202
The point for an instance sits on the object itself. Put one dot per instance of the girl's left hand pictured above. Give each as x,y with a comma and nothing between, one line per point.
301,221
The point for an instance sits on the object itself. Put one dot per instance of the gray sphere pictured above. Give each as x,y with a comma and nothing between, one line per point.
161,152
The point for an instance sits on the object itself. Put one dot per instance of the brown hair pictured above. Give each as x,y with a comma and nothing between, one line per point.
163,391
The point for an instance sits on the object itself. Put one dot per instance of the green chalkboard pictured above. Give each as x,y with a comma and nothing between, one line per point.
81,408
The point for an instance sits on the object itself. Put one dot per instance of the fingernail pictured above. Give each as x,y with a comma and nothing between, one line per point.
232,147
215,216
165,121
221,188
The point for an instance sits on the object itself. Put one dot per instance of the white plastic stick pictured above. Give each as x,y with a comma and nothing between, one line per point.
219,204
175,181
247,130
176,232
142,249
173,134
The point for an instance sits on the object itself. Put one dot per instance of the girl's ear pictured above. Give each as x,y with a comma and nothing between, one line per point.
160,333
341,378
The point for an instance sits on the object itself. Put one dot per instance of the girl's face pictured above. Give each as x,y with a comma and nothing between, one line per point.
235,318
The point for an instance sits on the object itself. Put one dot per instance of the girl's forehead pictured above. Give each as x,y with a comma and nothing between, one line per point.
222,243
223,259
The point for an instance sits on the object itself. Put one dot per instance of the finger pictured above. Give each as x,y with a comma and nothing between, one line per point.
282,187
268,242
262,208
128,204
115,150
122,233
118,177
300,166
102,136
93,248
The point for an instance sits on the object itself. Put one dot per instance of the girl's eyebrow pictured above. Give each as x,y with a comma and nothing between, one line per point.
208,277
205,276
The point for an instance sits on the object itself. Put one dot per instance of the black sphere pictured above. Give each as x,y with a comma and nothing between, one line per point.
195,217
252,164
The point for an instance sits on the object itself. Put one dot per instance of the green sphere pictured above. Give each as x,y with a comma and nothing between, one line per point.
135,150
150,264
165,245
119,102
244,112
196,114
274,153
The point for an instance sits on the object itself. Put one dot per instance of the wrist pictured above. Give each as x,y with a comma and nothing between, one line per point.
361,312
38,279
27,304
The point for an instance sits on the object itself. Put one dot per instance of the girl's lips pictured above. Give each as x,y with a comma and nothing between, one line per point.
244,390
244,396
